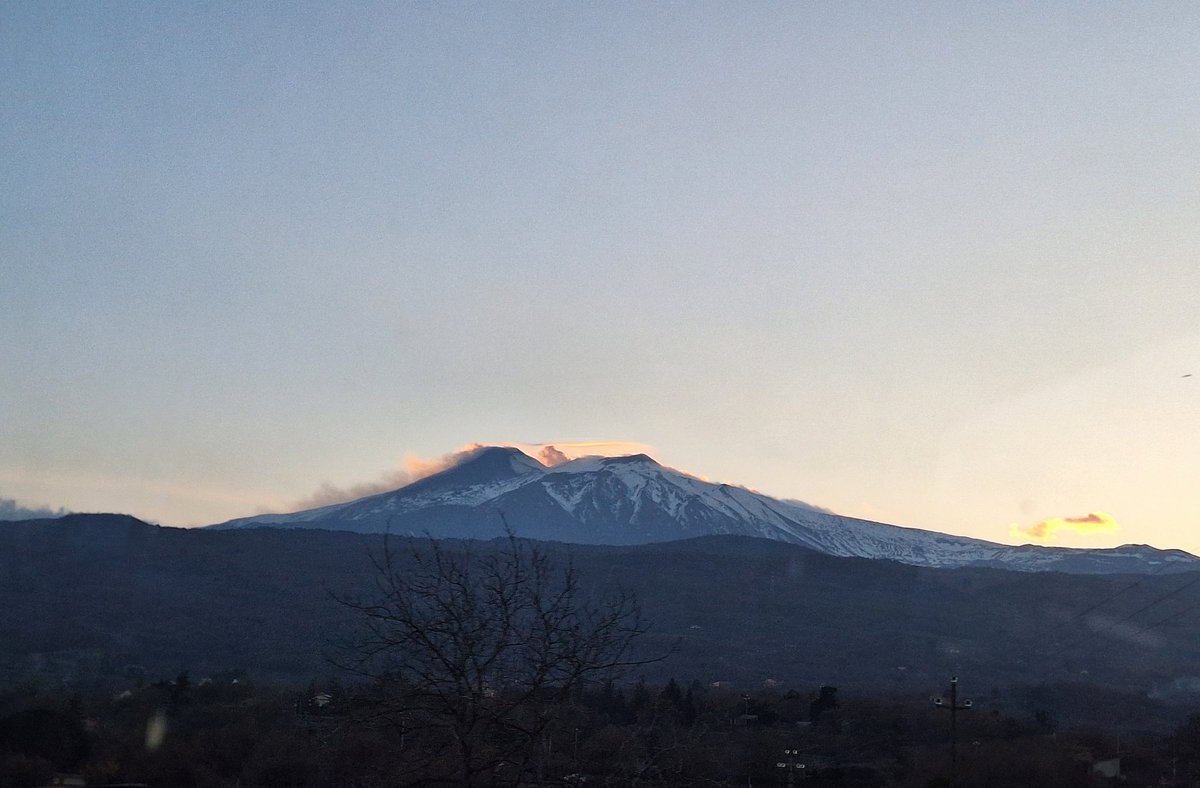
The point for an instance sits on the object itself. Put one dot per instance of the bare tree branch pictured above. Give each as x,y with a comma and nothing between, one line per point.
474,653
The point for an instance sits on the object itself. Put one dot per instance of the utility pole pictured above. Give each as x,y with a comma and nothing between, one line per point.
955,707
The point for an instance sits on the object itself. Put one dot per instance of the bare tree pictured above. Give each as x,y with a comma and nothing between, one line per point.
473,653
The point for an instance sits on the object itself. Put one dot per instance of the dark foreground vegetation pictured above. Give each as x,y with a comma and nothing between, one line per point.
516,663
102,598
226,731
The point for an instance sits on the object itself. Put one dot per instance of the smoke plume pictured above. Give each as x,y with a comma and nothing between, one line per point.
412,468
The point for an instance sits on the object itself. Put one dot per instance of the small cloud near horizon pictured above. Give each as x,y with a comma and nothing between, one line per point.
1047,530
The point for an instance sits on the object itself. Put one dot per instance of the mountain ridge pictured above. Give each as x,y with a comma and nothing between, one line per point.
110,597
636,500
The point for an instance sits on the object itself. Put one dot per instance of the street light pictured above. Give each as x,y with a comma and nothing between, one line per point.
792,764
955,707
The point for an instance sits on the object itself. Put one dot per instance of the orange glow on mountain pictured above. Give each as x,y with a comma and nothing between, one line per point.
1046,530
556,452
414,467
420,467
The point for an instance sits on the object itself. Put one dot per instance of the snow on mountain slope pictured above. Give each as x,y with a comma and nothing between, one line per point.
486,474
635,500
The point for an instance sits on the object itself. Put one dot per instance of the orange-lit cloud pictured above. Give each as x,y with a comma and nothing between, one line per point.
420,467
707,479
1046,530
558,452
551,456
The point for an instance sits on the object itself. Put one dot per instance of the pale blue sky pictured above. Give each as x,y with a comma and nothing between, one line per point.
934,264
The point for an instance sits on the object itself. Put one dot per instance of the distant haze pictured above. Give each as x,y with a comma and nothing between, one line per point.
12,510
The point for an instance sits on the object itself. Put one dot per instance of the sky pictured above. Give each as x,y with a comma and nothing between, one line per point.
932,264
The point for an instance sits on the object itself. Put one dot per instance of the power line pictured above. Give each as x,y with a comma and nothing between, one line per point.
1079,616
1108,599
1165,619
1112,625
1076,617
1167,595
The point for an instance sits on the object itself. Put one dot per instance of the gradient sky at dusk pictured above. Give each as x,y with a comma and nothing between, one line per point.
930,264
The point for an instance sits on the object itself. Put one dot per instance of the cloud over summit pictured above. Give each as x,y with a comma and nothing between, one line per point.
413,468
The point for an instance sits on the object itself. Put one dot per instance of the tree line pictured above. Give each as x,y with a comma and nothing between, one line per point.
182,732
502,668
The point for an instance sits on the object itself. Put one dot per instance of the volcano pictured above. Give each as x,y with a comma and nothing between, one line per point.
635,500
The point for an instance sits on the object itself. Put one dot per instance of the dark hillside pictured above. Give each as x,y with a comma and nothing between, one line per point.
109,598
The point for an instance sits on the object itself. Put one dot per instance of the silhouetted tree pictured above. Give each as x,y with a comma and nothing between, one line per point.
688,708
671,694
51,734
639,699
1185,746
473,655
826,700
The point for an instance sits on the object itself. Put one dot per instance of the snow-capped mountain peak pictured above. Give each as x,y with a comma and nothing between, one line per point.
635,500
485,465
